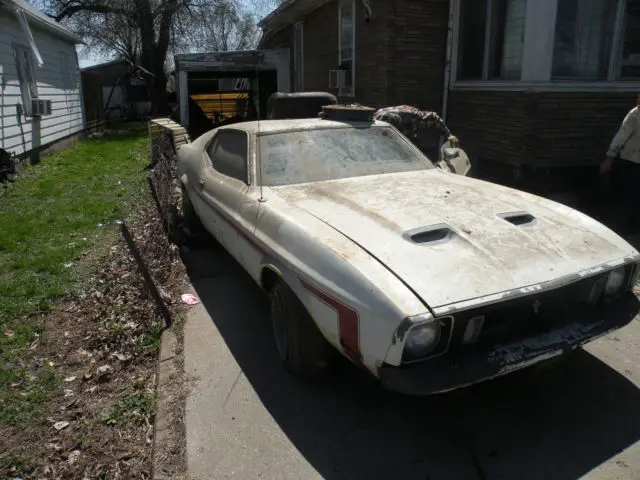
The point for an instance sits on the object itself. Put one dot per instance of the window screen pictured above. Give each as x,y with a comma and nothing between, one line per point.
473,21
584,34
630,62
228,154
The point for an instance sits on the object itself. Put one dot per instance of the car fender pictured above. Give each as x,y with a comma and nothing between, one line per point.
355,301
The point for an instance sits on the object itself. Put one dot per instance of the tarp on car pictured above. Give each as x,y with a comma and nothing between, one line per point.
424,128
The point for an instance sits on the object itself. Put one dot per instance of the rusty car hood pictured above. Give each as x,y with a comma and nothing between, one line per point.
452,238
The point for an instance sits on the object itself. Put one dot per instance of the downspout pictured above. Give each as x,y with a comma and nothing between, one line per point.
26,29
448,58
80,90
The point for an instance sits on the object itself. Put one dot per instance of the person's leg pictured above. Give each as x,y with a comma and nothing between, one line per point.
627,184
632,192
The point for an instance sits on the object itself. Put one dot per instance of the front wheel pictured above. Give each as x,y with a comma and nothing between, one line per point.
301,347
191,224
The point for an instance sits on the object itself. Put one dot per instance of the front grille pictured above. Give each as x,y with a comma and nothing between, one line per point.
523,317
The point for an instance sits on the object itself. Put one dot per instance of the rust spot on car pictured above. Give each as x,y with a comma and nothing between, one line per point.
333,195
401,331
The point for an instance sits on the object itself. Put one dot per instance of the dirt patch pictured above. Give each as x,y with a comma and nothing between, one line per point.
100,347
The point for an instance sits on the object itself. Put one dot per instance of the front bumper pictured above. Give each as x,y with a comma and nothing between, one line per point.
473,365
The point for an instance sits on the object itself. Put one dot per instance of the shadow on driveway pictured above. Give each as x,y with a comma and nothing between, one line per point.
556,423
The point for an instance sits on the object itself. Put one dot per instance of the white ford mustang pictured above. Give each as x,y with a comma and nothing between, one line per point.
427,279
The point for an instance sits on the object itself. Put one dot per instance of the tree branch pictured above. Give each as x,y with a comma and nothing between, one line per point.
71,8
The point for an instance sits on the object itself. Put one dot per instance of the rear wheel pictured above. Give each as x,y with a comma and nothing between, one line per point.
301,347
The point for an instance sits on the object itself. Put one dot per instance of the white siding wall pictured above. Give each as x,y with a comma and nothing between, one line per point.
58,80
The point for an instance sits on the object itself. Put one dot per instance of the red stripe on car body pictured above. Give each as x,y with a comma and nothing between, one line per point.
348,322
348,319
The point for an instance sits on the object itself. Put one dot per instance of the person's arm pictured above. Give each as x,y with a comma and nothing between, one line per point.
432,118
623,134
619,140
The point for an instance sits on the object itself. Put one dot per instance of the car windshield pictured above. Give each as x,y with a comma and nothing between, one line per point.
333,153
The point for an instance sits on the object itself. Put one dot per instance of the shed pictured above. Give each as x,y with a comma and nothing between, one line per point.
115,90
220,84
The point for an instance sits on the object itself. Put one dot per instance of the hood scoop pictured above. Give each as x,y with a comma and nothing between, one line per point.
430,235
519,219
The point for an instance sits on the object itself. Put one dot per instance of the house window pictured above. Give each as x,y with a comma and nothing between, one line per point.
346,52
597,40
473,21
630,51
490,39
26,75
298,56
583,39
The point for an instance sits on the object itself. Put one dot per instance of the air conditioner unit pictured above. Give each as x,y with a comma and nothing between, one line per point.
40,107
338,79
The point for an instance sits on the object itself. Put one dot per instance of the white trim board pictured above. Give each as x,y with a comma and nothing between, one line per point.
603,87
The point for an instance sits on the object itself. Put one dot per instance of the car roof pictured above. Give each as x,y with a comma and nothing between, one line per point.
278,126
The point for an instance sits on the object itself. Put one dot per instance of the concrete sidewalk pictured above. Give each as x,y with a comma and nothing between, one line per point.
247,419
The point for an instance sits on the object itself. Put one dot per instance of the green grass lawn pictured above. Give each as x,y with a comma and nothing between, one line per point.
49,220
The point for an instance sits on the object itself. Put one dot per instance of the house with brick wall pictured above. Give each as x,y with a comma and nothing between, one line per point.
523,83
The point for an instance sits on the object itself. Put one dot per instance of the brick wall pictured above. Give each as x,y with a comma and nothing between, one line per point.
283,39
371,56
576,128
540,129
320,46
400,53
490,124
418,37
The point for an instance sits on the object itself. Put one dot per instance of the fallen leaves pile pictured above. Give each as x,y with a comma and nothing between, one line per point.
102,345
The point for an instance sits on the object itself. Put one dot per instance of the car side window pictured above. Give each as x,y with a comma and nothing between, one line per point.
228,154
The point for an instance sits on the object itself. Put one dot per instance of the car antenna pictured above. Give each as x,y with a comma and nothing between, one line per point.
258,156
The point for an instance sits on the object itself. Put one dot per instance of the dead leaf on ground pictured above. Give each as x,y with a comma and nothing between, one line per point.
60,425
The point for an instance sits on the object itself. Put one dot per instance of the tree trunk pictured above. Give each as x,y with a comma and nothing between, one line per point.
159,93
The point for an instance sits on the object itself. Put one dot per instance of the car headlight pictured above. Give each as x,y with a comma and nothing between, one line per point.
615,281
635,276
423,339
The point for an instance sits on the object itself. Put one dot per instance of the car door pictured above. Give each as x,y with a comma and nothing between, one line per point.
225,188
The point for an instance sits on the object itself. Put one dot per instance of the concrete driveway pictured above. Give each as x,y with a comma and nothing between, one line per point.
247,419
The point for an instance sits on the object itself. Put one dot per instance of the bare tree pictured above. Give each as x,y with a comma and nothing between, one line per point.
142,29
225,27
109,35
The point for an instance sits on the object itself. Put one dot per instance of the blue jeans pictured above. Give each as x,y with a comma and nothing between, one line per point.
627,184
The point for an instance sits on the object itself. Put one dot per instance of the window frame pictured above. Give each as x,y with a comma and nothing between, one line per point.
210,161
28,87
298,55
489,40
348,91
537,55
613,49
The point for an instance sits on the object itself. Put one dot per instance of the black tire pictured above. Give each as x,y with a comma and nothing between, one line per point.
303,350
191,224
173,225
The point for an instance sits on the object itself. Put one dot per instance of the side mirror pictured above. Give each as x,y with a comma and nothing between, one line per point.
454,159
